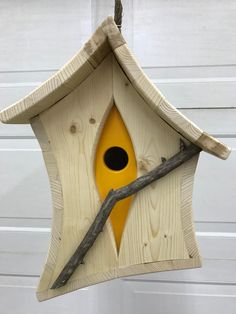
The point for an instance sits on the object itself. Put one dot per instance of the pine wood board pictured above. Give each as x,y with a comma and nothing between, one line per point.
163,108
154,221
121,272
57,197
107,38
187,180
153,239
72,138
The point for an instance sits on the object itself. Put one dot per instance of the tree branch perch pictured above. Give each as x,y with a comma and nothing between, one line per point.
114,196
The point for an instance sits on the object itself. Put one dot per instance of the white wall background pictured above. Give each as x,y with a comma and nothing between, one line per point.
188,48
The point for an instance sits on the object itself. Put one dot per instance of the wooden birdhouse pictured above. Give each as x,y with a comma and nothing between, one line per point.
103,125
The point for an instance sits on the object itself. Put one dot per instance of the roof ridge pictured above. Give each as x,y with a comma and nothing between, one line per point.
107,38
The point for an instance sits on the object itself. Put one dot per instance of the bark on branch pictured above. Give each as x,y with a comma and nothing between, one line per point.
114,196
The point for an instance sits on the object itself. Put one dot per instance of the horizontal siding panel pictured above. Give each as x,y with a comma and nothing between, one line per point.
184,33
213,226
191,73
180,42
198,93
166,298
28,246
15,130
214,187
217,271
17,295
218,246
26,190
25,177
25,222
23,253
181,93
43,35
11,93
26,77
214,121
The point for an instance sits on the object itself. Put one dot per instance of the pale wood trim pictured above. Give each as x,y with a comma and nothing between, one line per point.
121,272
50,92
105,39
154,220
187,180
211,145
57,198
163,108
61,147
73,139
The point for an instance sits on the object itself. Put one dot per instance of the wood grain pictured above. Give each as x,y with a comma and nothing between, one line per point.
157,236
188,59
162,107
73,139
116,195
187,180
57,198
107,38
153,234
160,237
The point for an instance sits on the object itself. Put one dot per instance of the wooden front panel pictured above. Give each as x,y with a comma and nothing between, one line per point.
158,230
72,127
154,229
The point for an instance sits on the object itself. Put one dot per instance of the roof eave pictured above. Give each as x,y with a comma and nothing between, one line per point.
107,38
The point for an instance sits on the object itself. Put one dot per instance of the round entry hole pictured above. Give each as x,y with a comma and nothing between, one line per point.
116,158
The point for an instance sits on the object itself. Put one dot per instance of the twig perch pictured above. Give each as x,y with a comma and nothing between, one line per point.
114,196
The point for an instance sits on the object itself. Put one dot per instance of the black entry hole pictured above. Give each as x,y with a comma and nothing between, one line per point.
116,158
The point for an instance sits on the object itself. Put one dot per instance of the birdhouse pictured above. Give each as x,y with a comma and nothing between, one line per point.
110,140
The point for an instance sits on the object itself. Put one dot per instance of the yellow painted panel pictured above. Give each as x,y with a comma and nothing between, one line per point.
115,166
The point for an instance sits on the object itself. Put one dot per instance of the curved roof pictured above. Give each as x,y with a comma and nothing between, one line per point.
106,39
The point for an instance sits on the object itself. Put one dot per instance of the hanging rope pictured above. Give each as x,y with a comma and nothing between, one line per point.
118,13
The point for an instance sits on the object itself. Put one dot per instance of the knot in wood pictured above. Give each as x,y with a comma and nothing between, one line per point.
92,121
143,164
73,129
